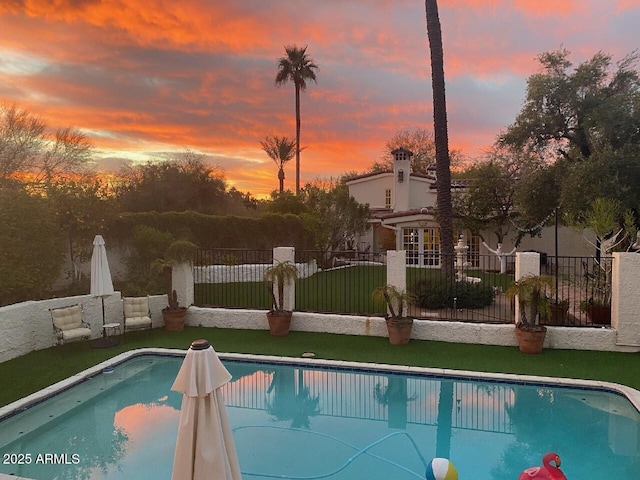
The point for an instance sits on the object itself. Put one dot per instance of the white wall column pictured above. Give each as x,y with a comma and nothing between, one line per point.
397,269
183,283
527,264
625,298
281,255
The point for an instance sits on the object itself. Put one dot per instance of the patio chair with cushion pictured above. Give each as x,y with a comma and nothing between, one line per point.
68,324
137,315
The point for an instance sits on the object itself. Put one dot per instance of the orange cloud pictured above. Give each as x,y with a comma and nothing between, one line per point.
143,78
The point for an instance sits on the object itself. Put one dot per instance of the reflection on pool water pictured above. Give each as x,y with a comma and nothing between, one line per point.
293,421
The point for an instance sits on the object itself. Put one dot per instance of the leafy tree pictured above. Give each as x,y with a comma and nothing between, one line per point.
172,185
298,68
81,209
443,166
586,122
536,198
333,216
31,247
287,202
614,175
27,147
421,142
489,201
239,203
149,244
576,113
280,150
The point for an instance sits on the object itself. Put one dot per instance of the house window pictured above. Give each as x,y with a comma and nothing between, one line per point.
431,247
423,246
411,244
387,198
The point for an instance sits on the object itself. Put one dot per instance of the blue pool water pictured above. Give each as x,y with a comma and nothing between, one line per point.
293,421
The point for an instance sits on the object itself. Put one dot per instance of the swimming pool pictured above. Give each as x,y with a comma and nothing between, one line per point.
331,420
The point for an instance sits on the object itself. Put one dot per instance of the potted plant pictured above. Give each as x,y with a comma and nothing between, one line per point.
531,292
598,310
180,251
398,325
279,274
598,305
558,312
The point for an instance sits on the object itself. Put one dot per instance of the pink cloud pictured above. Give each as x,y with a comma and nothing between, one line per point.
160,74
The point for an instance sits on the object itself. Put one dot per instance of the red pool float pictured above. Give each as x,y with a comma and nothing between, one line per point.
546,471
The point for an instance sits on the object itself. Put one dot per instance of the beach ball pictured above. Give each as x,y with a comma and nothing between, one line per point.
441,469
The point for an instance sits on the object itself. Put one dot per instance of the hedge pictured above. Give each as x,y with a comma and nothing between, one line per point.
213,231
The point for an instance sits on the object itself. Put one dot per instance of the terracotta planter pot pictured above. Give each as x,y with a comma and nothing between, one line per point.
174,319
599,314
279,323
399,330
559,314
530,341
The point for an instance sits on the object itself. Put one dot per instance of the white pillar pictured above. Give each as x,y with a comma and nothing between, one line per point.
286,254
625,298
397,269
527,264
182,281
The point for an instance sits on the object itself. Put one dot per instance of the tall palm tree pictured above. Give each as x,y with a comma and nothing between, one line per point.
280,150
443,171
296,67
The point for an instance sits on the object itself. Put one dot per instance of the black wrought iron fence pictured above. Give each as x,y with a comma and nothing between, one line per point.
582,290
228,277
328,282
474,293
343,282
340,282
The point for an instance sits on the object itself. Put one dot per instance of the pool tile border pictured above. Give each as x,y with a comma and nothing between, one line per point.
631,394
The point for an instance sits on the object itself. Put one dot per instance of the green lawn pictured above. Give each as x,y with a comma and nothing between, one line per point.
27,374
342,290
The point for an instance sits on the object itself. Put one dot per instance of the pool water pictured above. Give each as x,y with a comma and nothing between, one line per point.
295,422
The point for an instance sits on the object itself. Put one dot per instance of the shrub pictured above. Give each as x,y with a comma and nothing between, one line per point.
31,244
435,292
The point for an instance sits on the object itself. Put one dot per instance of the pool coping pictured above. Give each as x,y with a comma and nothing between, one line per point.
630,393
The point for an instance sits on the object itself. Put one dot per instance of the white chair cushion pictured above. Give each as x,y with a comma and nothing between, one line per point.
136,307
75,333
137,322
68,318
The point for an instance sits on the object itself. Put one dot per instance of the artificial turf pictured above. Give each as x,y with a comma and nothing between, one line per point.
29,373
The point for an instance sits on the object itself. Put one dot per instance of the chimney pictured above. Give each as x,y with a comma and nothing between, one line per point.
401,175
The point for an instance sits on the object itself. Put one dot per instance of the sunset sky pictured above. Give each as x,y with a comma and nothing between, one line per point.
145,77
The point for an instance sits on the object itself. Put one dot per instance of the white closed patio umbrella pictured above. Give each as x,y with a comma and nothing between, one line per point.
101,284
204,447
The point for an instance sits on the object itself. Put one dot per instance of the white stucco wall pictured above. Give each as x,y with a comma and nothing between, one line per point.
421,195
27,326
371,189
603,339
625,301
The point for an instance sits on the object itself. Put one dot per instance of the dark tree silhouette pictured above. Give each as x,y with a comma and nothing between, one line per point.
296,67
443,171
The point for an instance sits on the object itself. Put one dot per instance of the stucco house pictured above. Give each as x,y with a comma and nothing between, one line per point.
403,205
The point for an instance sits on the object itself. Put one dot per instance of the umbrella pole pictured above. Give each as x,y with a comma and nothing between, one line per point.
104,330
105,341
